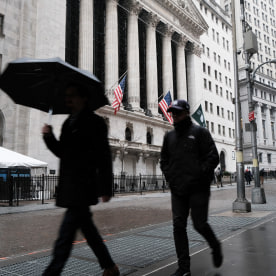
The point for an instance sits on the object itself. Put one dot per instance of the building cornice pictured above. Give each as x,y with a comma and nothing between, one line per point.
135,116
187,20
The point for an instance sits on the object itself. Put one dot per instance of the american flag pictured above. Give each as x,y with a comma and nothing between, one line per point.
164,104
118,92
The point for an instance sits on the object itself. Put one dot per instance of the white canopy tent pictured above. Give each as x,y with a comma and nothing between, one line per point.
10,159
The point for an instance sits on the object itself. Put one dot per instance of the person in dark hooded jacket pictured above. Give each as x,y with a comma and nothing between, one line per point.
188,159
85,174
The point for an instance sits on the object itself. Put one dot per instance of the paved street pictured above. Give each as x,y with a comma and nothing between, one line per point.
138,232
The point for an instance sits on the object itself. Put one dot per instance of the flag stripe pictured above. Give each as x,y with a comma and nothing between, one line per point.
118,93
164,104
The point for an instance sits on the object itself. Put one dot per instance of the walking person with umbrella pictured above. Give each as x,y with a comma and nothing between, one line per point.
85,159
85,174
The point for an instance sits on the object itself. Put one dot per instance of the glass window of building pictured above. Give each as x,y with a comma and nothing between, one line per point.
269,158
264,130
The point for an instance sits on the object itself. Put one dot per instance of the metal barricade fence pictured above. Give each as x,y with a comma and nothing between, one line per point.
43,187
17,189
138,183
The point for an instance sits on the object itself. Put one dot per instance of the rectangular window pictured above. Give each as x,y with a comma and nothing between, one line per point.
269,158
272,130
260,157
1,24
264,132
219,129
229,131
210,86
212,127
211,108
218,110
206,106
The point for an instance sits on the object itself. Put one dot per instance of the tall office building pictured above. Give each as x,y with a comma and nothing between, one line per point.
260,18
218,81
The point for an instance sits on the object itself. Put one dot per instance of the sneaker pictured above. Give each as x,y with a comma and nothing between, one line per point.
112,271
180,272
217,256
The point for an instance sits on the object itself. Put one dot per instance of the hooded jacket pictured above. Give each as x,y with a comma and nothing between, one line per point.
188,158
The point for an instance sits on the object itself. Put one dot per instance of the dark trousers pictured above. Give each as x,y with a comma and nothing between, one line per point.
74,218
181,205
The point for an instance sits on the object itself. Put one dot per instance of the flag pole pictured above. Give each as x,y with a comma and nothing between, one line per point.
118,79
162,95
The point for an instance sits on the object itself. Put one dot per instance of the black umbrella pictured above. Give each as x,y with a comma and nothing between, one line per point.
40,83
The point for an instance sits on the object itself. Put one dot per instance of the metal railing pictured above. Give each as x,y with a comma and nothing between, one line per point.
137,184
43,187
16,189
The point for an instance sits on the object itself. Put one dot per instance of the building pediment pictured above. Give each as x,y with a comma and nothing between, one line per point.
182,15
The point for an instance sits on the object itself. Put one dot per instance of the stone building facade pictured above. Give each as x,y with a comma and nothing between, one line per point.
156,43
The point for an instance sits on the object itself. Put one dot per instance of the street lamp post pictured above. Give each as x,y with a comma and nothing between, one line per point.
258,194
241,204
250,48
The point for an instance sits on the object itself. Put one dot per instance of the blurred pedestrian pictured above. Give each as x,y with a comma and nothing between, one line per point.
248,177
85,174
219,176
262,174
188,159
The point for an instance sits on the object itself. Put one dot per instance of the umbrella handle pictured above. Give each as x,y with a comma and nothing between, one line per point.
50,113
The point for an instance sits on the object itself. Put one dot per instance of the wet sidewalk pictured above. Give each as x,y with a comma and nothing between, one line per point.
248,241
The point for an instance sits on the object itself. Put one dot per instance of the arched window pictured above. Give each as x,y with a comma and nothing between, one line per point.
128,134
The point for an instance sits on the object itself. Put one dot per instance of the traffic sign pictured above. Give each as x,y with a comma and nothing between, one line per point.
251,116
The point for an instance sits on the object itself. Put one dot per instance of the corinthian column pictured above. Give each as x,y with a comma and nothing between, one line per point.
86,35
151,65
181,68
133,57
111,47
167,61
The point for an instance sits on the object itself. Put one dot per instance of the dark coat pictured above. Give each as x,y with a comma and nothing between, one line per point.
188,158
248,175
85,160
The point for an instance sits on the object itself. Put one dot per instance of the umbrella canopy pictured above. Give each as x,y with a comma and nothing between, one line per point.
40,83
